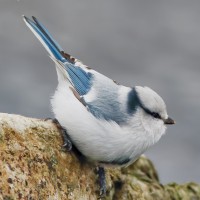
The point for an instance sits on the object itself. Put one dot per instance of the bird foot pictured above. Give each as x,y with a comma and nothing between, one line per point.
67,142
102,181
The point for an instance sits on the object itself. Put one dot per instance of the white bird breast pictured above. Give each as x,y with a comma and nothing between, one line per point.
100,140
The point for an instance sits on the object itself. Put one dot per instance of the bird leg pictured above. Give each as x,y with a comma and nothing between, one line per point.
102,181
67,141
68,145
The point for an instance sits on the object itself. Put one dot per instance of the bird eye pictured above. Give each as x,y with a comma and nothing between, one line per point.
155,115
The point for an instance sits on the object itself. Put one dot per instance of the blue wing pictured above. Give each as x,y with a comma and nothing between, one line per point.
80,79
106,104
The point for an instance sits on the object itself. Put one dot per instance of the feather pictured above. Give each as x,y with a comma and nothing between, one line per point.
107,122
80,79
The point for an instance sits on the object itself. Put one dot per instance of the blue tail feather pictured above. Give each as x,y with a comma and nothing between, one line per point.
81,79
46,32
46,39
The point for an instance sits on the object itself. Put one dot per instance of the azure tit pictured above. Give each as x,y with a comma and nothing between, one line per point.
108,123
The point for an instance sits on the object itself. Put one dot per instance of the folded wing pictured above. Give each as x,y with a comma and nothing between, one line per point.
95,91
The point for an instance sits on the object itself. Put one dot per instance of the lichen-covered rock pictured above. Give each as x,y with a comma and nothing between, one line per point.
33,165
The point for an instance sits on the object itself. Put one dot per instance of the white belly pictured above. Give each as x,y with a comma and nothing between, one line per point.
98,140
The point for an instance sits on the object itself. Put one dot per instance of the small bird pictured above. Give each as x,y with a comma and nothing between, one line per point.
107,122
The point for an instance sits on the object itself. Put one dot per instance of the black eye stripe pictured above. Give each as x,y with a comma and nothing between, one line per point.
136,101
155,115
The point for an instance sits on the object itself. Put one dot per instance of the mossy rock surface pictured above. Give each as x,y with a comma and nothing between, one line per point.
33,165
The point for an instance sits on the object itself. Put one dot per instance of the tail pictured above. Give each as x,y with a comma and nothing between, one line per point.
53,48
67,66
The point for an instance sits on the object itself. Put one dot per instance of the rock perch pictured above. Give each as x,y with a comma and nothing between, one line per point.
33,165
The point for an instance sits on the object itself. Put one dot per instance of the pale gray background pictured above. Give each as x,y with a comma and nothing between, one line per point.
153,43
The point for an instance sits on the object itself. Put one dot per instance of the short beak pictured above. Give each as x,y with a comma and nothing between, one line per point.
169,121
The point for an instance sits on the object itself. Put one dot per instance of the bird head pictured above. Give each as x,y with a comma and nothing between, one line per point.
153,106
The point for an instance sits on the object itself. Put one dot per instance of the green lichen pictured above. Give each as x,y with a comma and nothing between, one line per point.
8,198
34,167
53,161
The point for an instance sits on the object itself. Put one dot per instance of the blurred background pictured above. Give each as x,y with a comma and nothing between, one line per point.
148,43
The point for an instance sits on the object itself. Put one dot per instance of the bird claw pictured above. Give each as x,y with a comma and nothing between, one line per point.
67,145
102,192
102,182
67,142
